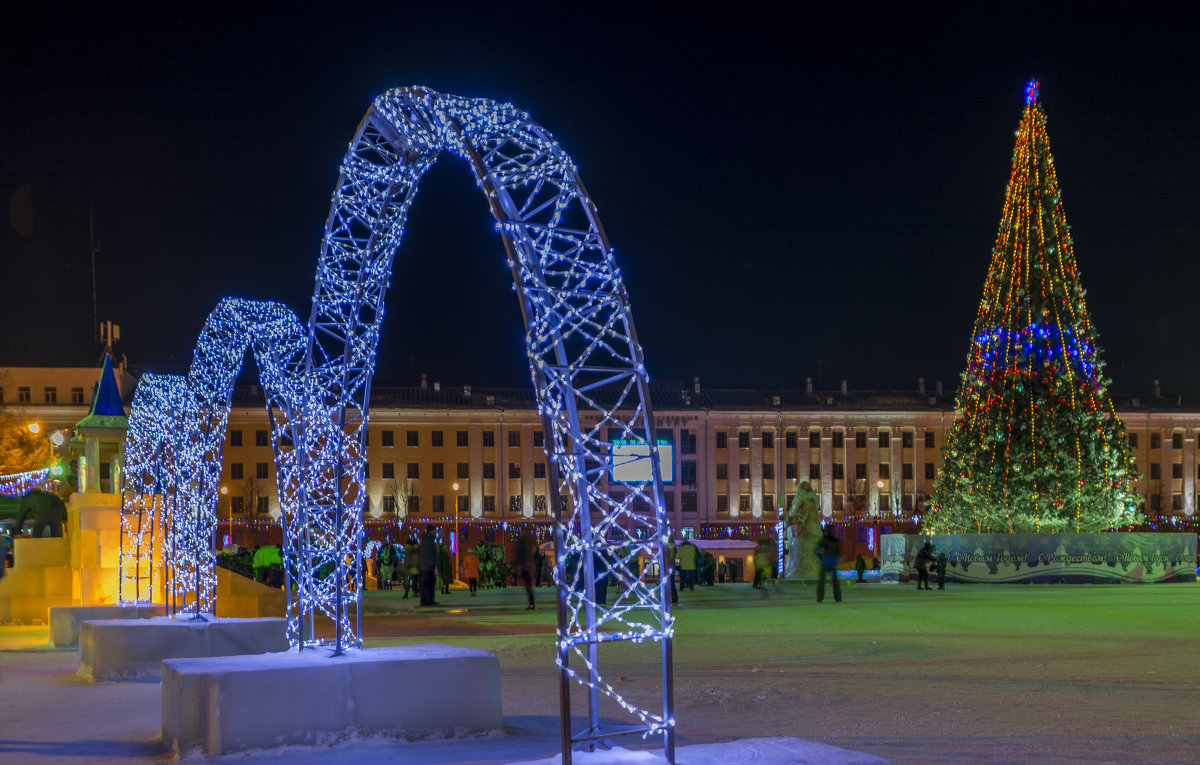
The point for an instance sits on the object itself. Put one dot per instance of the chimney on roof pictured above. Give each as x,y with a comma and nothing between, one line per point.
808,385
424,382
437,385
939,387
696,384
1157,389
921,385
843,386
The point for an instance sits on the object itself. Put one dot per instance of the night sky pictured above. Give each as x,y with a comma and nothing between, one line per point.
813,194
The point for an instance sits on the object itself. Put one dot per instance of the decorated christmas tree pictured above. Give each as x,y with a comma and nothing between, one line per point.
1036,445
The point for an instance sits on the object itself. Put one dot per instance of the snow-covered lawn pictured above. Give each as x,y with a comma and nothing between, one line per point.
984,674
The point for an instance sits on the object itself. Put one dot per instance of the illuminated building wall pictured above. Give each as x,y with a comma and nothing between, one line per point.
1163,434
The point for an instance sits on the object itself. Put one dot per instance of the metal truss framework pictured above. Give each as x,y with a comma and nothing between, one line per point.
585,362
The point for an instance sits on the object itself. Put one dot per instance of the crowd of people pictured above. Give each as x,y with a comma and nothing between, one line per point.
423,566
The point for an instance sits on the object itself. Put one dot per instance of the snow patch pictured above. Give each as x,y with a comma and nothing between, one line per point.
761,751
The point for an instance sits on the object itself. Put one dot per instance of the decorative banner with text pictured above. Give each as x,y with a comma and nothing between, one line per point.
1047,558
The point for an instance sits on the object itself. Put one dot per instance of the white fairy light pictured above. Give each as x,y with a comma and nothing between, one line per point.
585,362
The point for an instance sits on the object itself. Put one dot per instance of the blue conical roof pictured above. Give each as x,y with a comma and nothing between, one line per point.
107,411
106,400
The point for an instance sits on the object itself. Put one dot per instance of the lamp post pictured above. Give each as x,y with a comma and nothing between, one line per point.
878,485
225,491
457,540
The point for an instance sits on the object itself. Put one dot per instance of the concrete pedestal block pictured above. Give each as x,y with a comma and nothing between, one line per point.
252,702
64,620
134,649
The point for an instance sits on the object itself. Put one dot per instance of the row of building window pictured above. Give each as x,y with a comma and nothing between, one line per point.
687,471
50,395
1156,440
462,470
261,470
437,504
687,437
814,471
412,470
791,439
1176,470
839,503
411,438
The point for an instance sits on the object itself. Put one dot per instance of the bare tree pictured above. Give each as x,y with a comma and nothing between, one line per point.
856,497
402,491
252,489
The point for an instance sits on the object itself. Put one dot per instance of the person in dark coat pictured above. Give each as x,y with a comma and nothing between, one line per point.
940,567
411,569
670,572
710,568
827,550
522,563
445,569
860,566
922,561
427,561
764,562
602,575
539,566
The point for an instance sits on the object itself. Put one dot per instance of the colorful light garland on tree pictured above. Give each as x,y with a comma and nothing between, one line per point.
1036,445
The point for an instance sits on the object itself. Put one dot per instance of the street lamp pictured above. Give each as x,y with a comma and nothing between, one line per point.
457,539
875,536
224,492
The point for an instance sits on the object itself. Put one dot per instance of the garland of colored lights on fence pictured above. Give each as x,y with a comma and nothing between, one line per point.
1036,445
584,360
20,484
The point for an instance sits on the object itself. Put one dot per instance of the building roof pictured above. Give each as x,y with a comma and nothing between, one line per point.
674,398
106,411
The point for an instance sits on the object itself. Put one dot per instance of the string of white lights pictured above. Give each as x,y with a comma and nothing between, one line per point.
585,362
19,484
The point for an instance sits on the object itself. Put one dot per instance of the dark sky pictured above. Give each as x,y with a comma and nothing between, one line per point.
812,194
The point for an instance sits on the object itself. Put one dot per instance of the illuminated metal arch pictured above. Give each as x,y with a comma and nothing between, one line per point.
585,361
173,450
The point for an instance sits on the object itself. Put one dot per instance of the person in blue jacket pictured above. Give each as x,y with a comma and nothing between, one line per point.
827,550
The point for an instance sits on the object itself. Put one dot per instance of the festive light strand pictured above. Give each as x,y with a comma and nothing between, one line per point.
585,363
20,484
1036,444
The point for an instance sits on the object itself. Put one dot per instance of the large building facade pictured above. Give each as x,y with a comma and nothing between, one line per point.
735,456
476,457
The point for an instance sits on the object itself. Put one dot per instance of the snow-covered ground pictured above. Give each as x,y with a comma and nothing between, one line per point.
977,674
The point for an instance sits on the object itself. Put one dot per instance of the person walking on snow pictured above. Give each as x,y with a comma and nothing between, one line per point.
427,560
412,570
827,550
445,569
387,563
522,562
688,553
922,561
471,570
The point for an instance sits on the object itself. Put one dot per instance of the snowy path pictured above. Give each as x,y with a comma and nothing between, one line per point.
971,675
